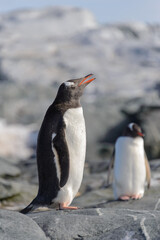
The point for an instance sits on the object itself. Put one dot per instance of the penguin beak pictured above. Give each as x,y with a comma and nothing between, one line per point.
140,134
87,79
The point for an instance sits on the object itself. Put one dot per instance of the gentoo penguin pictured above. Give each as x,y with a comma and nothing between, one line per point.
131,166
61,148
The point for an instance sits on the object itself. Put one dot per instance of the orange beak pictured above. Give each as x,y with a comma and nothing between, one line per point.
86,79
140,134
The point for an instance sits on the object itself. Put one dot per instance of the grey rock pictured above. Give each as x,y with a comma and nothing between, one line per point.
18,200
15,188
15,226
7,169
144,112
104,198
147,115
16,183
94,198
98,224
155,165
9,189
104,218
93,182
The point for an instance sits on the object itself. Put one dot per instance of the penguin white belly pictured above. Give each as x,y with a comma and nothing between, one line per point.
75,134
129,168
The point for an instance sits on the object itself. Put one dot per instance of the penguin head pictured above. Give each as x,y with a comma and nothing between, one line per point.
133,130
72,90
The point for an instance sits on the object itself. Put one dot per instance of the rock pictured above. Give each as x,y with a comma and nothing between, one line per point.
94,198
17,184
146,113
9,189
29,170
100,217
103,198
85,224
16,226
13,141
7,170
93,181
25,195
99,224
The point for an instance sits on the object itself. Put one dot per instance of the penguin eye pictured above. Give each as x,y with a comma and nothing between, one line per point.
73,87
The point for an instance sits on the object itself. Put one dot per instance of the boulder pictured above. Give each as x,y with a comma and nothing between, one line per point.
99,224
15,226
84,224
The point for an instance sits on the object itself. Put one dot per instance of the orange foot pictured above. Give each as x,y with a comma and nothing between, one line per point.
63,206
124,198
136,196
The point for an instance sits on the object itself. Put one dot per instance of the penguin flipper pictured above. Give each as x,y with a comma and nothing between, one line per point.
110,167
148,171
61,148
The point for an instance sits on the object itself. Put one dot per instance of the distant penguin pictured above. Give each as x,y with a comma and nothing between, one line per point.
61,148
131,166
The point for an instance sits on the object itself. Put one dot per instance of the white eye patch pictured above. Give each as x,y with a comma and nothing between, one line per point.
131,126
69,84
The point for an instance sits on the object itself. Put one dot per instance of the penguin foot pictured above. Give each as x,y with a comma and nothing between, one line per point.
124,198
63,206
136,196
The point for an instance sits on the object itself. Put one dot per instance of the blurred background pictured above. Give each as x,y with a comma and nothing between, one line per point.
44,43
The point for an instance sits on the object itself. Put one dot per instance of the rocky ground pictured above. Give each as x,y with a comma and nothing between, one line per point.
135,219
99,216
39,49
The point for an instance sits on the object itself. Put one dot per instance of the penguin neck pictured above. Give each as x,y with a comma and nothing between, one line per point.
72,103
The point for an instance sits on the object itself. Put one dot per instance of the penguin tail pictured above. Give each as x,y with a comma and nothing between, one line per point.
32,206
